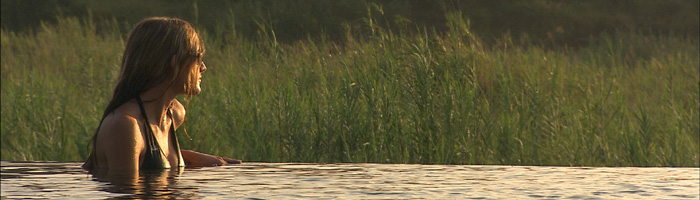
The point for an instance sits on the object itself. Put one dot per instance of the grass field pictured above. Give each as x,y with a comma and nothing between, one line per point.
625,99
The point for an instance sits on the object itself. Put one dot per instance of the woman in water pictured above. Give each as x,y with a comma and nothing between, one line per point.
162,59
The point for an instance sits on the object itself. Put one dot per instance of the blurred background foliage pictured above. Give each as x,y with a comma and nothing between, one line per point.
539,82
547,22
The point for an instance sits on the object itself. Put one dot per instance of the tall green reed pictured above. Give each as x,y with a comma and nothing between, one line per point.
628,99
54,83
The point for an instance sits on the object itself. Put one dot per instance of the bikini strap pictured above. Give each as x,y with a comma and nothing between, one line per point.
173,132
151,139
143,111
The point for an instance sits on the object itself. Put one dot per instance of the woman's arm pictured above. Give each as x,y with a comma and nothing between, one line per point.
120,140
196,159
193,158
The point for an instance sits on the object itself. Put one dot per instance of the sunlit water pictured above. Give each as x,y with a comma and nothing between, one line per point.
354,181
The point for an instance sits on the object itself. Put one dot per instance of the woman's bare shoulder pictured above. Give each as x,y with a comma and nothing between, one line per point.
122,125
178,113
120,140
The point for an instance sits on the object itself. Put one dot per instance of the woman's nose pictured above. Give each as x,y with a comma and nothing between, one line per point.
203,68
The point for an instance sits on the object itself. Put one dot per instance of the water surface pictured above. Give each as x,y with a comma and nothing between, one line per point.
66,180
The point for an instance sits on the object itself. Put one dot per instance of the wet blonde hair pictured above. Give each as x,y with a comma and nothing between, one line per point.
147,61
148,53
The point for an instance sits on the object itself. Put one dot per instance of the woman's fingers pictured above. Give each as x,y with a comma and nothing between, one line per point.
231,160
197,159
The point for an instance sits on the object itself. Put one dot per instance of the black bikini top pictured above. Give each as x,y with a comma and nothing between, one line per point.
155,157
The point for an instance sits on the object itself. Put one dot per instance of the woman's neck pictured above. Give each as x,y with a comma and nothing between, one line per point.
157,101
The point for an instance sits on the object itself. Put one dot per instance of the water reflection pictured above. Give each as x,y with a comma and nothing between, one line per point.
150,184
51,180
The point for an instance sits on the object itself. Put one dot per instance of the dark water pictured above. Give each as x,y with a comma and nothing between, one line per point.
65,180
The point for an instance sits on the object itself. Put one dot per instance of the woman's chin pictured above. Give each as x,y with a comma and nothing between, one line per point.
195,91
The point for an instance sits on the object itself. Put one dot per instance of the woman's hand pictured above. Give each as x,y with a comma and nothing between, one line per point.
231,160
196,159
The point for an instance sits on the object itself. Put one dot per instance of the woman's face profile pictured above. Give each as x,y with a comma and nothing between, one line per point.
190,83
201,68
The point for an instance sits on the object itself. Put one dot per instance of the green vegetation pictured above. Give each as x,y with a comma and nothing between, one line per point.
552,22
378,92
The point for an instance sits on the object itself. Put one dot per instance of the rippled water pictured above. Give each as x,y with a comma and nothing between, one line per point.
353,181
